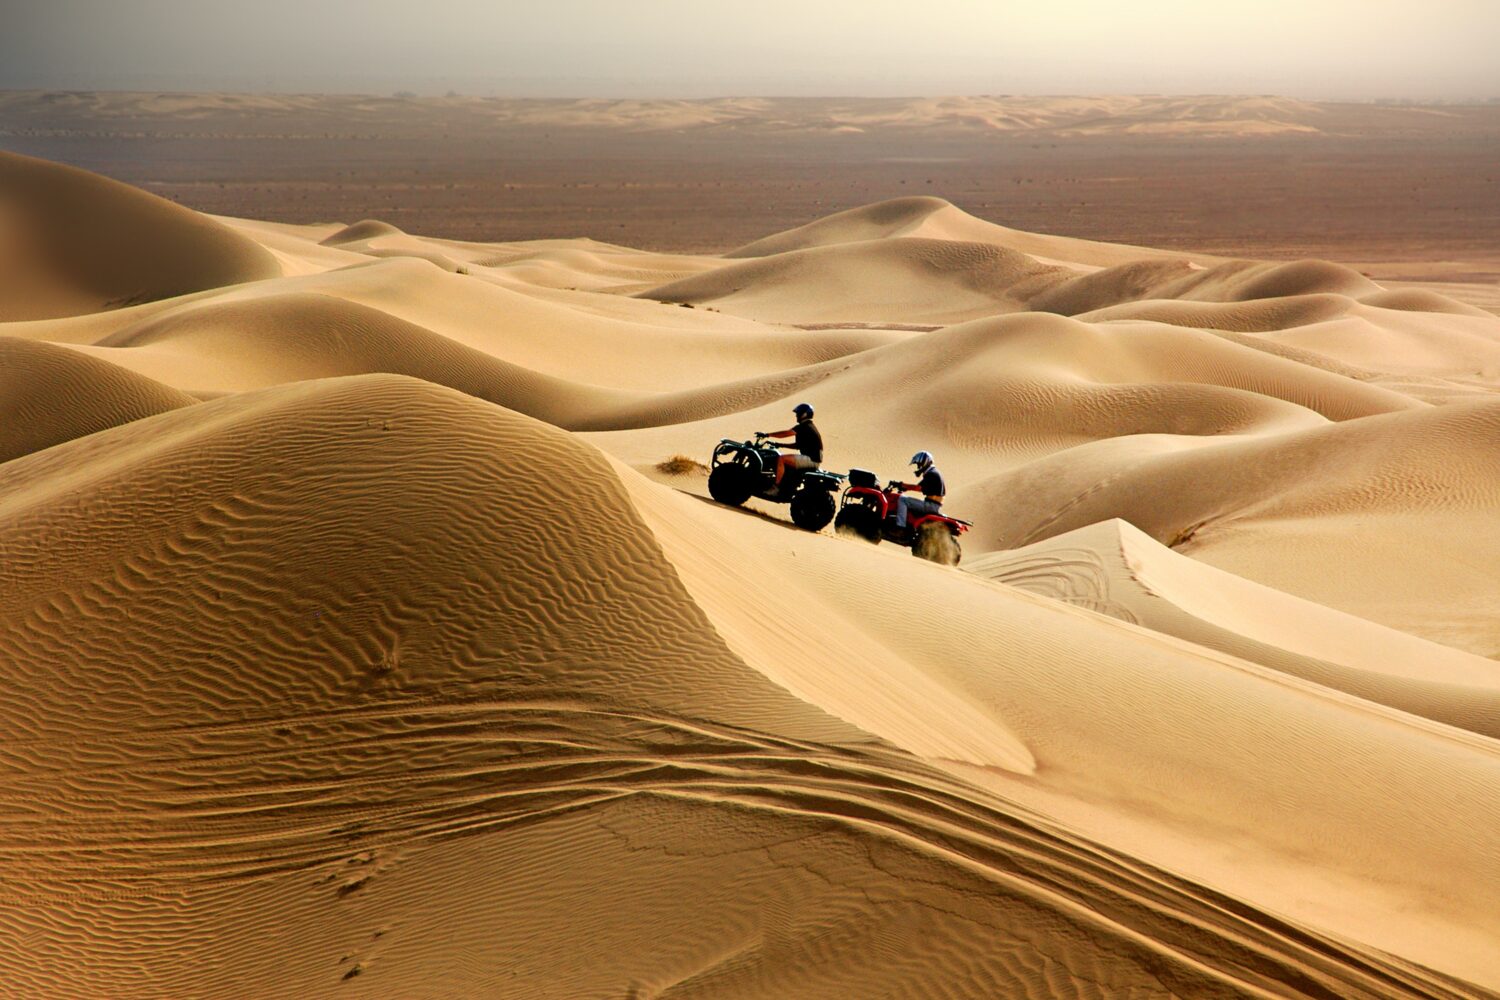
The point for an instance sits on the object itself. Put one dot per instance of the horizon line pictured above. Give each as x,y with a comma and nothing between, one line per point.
405,93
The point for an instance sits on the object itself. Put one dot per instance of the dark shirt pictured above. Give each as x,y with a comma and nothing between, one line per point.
809,441
932,484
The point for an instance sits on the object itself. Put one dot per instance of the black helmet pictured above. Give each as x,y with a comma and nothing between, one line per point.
804,411
922,460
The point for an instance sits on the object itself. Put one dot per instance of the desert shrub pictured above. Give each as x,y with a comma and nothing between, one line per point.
680,465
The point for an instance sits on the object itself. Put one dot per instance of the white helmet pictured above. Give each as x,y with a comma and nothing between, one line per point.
922,460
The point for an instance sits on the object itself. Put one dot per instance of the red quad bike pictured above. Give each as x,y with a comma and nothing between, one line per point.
870,513
744,469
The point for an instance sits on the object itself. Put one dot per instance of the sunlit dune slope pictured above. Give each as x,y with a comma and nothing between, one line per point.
1116,569
73,242
1151,747
936,218
1389,517
360,232
916,280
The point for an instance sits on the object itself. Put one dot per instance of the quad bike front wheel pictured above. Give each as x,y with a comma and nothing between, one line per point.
731,484
936,543
812,509
860,521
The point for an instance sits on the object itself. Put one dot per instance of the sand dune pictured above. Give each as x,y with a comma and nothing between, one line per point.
1050,115
911,280
360,232
338,663
1242,281
75,242
1116,569
936,218
1389,517
34,377
1437,353
1060,115
272,339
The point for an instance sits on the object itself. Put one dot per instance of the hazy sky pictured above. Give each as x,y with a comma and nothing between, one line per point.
696,48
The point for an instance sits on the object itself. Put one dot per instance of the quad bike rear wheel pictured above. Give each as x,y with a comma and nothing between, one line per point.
812,509
860,521
731,484
935,543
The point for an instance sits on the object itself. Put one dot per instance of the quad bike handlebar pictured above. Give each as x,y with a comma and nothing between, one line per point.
761,437
758,442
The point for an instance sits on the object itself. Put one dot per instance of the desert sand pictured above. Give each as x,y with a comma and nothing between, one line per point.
354,644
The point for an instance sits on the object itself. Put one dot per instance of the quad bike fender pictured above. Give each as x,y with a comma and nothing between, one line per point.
870,495
817,479
953,524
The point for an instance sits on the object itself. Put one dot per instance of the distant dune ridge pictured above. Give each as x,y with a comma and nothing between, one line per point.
353,645
1210,115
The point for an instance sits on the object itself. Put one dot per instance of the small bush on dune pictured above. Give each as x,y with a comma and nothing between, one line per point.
680,465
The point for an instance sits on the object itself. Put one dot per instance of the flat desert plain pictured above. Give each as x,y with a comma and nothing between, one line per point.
366,629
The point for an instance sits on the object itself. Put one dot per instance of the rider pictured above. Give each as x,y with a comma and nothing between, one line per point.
808,442
931,484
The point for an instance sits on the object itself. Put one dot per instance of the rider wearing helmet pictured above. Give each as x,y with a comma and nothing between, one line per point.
932,486
806,439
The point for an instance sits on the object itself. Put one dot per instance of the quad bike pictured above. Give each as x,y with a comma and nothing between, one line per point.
744,469
870,513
